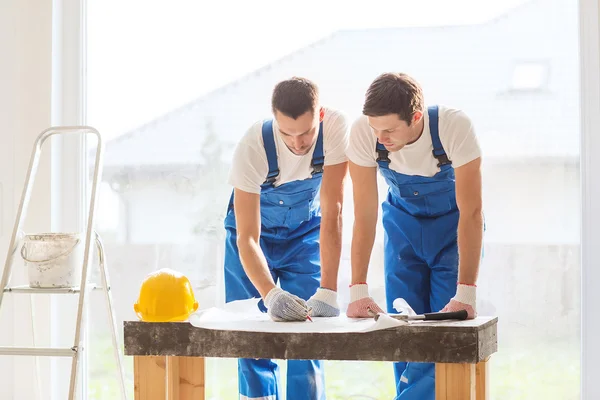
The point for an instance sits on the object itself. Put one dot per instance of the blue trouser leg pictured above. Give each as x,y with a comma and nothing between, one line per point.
407,275
444,276
300,274
298,270
417,380
258,378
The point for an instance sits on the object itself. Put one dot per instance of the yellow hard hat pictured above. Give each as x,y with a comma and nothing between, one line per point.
165,296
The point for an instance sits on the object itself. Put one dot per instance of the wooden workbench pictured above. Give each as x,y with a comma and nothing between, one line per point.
169,357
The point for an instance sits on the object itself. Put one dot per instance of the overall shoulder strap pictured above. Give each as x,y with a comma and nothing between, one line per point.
318,159
383,159
438,149
269,143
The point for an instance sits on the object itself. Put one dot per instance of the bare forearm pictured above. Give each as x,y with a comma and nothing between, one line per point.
363,238
366,209
470,240
255,265
331,250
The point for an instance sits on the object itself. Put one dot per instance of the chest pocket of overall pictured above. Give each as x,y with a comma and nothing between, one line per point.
288,209
428,198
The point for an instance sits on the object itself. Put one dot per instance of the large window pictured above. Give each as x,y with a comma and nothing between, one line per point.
173,91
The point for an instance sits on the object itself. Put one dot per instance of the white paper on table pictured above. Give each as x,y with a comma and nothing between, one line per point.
244,315
384,322
402,307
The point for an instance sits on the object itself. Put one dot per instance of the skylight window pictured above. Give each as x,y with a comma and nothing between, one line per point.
529,76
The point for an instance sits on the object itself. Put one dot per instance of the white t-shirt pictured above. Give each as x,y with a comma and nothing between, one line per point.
250,166
456,134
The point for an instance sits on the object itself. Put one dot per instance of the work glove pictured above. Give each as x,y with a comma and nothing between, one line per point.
361,303
284,306
324,303
465,299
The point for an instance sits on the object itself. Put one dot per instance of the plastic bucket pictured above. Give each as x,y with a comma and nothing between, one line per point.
53,260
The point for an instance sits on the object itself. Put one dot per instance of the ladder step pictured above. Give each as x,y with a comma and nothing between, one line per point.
27,289
38,351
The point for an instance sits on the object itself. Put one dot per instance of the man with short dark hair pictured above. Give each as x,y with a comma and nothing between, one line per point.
284,223
432,216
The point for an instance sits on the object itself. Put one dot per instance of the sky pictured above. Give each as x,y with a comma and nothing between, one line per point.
146,58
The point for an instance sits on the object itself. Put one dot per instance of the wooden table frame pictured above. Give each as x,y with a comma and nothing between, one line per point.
169,357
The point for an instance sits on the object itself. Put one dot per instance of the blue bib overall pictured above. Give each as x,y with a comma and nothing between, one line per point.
291,220
420,220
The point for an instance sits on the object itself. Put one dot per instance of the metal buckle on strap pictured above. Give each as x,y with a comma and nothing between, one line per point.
382,156
442,159
317,169
271,177
317,164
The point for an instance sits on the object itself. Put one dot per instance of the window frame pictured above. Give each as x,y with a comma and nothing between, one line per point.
69,183
589,44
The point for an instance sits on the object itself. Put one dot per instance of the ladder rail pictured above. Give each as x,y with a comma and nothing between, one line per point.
86,258
38,351
18,235
106,284
68,290
36,361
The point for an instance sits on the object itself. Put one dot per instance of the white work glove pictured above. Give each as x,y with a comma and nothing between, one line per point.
465,299
361,304
284,306
324,303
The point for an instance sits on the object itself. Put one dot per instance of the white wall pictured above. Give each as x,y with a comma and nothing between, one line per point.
526,202
159,212
25,92
533,202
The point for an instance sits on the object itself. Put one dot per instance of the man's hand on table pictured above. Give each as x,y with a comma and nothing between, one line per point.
324,303
465,299
284,306
361,304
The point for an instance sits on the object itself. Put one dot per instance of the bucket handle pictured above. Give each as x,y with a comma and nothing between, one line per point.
66,253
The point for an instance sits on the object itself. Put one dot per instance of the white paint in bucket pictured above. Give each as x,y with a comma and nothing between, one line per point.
53,260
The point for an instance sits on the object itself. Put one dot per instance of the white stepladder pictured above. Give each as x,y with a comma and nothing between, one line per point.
75,351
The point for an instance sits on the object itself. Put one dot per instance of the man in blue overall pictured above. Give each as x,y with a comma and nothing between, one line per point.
284,224
432,215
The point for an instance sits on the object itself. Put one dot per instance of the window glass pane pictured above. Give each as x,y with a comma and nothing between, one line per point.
173,86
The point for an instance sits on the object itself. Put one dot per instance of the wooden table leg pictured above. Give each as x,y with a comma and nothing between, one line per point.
149,377
185,378
173,378
482,378
454,381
